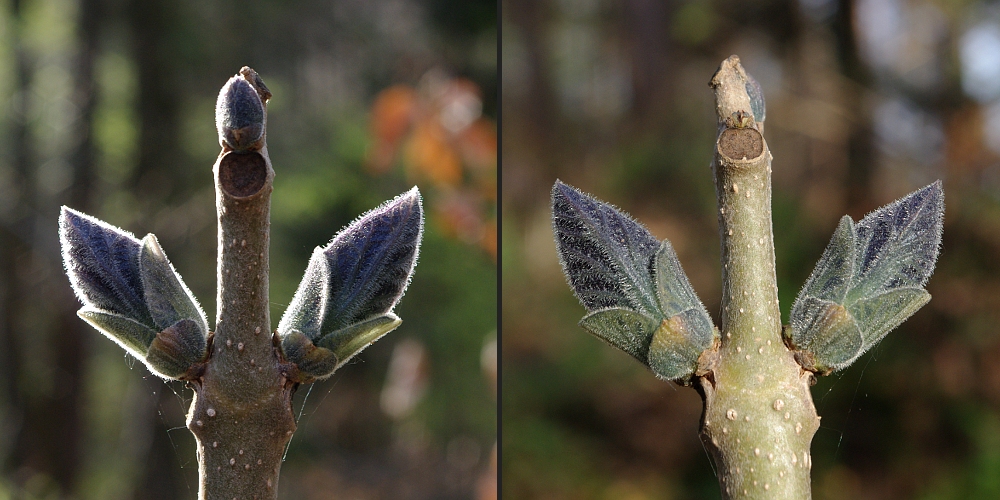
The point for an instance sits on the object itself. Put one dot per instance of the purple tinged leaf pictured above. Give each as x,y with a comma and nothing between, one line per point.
607,256
102,262
639,298
869,280
898,244
132,294
345,299
370,262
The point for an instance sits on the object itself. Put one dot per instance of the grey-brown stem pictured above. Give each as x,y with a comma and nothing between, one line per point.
242,415
759,415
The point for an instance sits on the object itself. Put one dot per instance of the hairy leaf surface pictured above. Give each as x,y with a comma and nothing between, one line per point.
131,293
678,342
102,262
625,329
371,261
239,114
897,245
169,300
350,340
639,298
687,330
869,279
133,336
355,280
177,348
305,313
607,256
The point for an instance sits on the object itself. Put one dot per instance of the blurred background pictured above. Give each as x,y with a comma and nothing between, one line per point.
867,100
108,106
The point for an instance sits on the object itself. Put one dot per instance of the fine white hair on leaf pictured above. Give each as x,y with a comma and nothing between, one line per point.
239,114
169,300
606,255
102,262
131,292
638,297
305,313
356,278
869,279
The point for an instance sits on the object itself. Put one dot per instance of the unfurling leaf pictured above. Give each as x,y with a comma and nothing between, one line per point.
177,348
868,281
167,297
135,337
102,262
132,294
625,329
639,298
345,300
607,256
350,340
678,343
309,358
686,330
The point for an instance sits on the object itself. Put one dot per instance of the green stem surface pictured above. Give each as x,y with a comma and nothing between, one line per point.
759,415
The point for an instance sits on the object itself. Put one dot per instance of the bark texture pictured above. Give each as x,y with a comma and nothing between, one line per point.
759,415
242,413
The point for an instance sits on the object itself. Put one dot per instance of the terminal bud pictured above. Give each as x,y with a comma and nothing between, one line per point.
239,111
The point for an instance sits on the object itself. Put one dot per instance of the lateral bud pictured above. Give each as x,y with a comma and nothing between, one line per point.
177,349
133,295
345,299
312,362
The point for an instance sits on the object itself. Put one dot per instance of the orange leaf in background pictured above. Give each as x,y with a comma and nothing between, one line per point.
392,113
430,155
439,131
479,144
487,486
460,216
488,188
